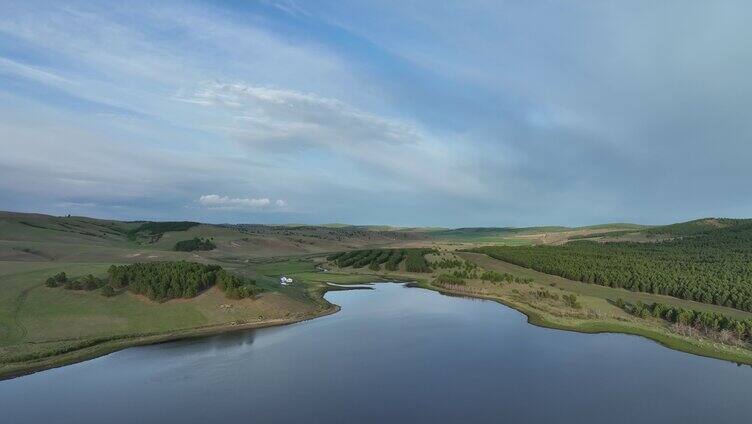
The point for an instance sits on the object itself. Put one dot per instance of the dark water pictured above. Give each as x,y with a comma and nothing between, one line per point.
394,354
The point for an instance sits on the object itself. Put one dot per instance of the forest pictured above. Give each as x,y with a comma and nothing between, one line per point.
710,266
414,259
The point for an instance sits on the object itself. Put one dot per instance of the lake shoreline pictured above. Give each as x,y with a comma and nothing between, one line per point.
696,346
20,369
663,338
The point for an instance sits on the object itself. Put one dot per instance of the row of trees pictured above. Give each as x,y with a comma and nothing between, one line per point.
88,282
709,322
498,277
713,267
415,260
445,263
445,279
395,258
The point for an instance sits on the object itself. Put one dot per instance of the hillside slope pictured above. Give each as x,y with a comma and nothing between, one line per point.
37,237
708,261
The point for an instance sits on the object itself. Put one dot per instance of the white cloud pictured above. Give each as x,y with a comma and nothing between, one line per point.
12,67
215,201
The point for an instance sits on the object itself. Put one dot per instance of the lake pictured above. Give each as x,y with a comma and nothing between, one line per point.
393,354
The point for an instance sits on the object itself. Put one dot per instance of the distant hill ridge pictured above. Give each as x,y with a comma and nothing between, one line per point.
698,226
107,229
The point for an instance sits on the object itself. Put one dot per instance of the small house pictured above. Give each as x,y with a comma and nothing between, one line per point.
285,280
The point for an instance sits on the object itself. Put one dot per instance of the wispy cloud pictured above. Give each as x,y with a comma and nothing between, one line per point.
283,121
12,67
274,115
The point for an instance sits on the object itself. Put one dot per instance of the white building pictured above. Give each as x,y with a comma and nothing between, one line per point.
285,280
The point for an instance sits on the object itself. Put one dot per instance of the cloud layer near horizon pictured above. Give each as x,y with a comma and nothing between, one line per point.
477,113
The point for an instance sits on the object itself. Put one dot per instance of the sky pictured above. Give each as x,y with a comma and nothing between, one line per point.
410,113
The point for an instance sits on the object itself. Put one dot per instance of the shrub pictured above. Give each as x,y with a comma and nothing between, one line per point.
91,282
571,301
57,280
445,279
108,291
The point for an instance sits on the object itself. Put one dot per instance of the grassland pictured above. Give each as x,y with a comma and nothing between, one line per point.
42,327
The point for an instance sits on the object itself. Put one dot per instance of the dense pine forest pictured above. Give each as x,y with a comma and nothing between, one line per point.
704,263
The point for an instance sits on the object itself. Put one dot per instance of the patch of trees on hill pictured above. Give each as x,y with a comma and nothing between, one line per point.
194,244
153,231
711,267
164,227
162,281
414,259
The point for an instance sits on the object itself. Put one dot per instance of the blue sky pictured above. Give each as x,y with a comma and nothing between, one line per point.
466,113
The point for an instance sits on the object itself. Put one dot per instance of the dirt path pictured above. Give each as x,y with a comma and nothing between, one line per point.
20,332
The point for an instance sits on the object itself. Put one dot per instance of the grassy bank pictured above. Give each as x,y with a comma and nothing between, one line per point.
656,333
598,313
16,369
43,327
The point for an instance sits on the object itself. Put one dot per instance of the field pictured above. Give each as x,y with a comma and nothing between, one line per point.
505,236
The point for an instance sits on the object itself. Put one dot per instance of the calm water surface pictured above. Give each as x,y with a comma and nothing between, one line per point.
393,354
